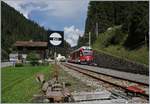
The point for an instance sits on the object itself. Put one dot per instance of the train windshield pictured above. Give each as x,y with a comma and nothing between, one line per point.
87,53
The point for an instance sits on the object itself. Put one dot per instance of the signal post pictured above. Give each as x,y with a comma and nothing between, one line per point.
55,40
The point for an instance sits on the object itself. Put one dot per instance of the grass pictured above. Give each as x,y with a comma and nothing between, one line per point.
19,84
140,55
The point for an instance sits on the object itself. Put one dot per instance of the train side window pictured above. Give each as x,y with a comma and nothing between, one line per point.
78,53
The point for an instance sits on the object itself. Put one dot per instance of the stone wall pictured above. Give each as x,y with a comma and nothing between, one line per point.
108,61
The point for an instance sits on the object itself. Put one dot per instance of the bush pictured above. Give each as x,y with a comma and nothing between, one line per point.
33,63
45,63
33,58
113,36
18,65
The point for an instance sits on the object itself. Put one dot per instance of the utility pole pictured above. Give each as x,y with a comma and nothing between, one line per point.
96,29
56,68
89,39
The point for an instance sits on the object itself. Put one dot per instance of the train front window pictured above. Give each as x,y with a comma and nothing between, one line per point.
87,53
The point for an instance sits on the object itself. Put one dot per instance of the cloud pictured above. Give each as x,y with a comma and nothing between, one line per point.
55,14
71,35
25,6
17,6
59,8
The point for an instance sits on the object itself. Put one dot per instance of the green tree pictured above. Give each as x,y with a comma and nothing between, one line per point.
132,15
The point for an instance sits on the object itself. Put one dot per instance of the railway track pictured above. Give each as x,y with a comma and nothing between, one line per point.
115,81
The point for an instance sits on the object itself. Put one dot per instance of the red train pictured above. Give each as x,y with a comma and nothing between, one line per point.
83,55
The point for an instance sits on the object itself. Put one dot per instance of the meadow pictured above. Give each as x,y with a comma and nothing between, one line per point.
18,84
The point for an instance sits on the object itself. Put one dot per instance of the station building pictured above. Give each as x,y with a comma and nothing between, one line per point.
25,47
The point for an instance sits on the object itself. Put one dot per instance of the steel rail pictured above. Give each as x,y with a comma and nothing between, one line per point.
142,83
78,69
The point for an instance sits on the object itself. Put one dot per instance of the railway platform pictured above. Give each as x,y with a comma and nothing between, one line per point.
120,74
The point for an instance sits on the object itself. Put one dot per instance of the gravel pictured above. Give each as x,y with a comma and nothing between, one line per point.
121,74
98,85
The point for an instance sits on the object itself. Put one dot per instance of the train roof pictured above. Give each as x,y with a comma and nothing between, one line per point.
83,47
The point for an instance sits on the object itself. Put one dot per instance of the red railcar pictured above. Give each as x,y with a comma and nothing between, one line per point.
83,55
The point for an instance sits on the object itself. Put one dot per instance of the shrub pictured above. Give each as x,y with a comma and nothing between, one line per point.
113,36
33,63
45,63
33,58
18,65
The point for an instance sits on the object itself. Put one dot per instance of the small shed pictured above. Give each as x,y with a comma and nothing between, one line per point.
13,56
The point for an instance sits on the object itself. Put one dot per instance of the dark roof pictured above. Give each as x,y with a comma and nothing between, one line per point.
30,44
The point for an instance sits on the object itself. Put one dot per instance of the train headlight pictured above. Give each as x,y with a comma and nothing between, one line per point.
88,59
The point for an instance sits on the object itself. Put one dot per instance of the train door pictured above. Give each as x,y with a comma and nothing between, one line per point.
78,57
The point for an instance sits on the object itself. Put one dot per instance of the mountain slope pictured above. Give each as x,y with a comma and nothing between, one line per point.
122,29
16,27
132,15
